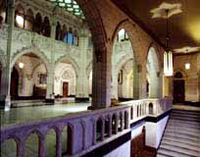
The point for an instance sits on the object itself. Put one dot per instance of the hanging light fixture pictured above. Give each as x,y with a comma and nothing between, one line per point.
187,64
168,56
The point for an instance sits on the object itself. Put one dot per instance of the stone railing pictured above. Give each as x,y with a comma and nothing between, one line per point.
148,107
85,130
26,38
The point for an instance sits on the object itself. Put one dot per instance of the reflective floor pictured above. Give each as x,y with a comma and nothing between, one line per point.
24,114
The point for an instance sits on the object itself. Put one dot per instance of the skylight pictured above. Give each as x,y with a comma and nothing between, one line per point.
71,6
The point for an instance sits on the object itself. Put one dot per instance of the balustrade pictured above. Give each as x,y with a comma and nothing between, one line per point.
85,129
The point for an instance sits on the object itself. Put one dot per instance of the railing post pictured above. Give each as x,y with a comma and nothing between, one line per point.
59,143
42,147
21,148
103,129
122,121
110,127
117,123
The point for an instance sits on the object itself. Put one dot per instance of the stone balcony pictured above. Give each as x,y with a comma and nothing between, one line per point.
87,130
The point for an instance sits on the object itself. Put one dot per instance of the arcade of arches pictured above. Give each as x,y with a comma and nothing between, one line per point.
63,55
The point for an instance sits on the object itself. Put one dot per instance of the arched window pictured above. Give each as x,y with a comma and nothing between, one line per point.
46,30
122,35
69,38
76,38
150,108
19,17
2,12
64,34
37,23
178,75
58,31
29,19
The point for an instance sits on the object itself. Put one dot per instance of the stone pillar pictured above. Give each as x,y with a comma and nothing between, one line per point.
51,67
160,86
114,83
142,81
136,71
101,89
82,84
6,71
154,79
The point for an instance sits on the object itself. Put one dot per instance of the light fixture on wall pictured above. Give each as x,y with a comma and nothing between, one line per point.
21,65
187,66
168,56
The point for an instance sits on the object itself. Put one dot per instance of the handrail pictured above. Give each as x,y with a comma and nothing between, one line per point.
85,129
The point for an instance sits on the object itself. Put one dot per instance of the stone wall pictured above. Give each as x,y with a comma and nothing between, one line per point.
191,76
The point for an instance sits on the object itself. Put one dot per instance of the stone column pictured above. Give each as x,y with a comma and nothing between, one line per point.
6,71
153,84
101,89
82,84
114,83
136,71
142,81
51,67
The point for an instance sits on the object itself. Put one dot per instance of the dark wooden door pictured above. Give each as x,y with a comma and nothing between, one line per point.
14,83
179,91
65,89
0,80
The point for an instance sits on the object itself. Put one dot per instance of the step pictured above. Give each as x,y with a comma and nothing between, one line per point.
181,136
162,155
185,132
185,119
186,141
184,125
186,112
185,115
180,150
180,128
185,122
181,144
171,153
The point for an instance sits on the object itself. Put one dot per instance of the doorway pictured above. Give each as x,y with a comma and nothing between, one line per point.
179,91
14,83
179,88
65,89
0,78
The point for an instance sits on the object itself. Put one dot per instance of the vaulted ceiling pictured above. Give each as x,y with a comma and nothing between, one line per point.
184,27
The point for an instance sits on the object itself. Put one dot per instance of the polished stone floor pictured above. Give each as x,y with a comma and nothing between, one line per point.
24,114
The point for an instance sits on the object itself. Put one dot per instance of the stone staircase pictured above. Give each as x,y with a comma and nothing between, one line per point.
182,135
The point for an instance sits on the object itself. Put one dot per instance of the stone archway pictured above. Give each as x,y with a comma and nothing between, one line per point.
32,81
34,51
179,87
101,57
135,55
14,83
65,78
153,74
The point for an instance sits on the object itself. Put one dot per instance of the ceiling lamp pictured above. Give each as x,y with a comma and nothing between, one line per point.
168,56
21,65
